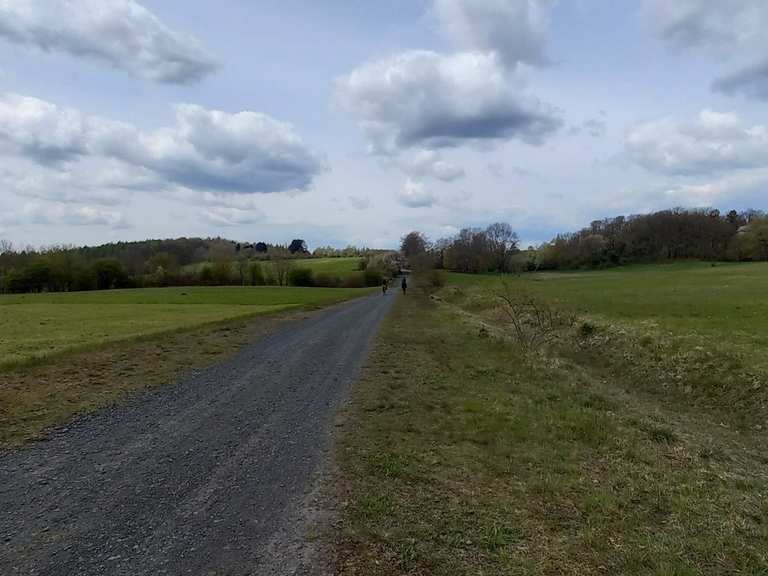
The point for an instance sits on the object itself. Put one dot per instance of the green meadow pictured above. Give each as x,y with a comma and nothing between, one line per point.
37,326
725,301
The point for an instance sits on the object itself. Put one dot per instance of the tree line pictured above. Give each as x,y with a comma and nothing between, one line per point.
666,235
662,236
180,261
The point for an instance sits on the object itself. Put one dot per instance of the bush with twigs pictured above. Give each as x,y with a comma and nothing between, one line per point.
534,322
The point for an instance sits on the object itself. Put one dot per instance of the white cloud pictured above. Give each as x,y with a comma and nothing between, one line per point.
214,150
714,160
120,33
749,185
737,29
715,142
92,181
58,213
224,216
207,150
430,163
515,30
415,195
422,99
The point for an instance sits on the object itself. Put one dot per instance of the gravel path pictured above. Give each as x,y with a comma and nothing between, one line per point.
207,476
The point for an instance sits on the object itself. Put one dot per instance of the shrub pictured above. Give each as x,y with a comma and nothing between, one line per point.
326,280
301,277
222,273
587,329
373,277
436,278
256,274
534,322
354,280
206,275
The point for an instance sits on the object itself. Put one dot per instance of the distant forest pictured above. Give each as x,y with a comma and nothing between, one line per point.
662,236
148,263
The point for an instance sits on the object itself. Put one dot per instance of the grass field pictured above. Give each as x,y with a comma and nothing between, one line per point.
461,453
693,298
37,326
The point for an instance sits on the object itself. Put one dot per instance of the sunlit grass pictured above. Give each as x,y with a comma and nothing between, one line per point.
38,326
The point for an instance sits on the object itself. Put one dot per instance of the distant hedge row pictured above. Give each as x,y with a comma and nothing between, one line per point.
52,273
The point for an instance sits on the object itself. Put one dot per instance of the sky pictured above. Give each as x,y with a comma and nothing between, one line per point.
354,122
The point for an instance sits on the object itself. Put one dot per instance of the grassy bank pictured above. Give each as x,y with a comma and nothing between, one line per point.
39,326
460,453
684,298
690,334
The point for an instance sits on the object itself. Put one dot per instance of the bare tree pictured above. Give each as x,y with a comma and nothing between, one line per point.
469,252
502,242
6,246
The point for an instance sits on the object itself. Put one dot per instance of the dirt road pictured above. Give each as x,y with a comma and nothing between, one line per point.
207,476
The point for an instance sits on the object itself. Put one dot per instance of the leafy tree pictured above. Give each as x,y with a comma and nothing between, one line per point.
298,246
751,242
110,274
301,277
413,244
221,272
256,274
281,267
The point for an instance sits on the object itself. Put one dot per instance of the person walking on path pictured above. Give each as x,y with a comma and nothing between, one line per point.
404,285
384,286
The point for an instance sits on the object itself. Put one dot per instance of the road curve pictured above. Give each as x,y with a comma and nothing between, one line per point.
201,477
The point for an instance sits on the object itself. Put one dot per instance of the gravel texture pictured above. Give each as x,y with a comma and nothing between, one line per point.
207,476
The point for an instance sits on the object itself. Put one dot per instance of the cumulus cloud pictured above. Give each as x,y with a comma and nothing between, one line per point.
208,150
430,163
747,185
515,30
120,33
714,142
736,28
227,216
421,99
415,195
92,181
58,213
